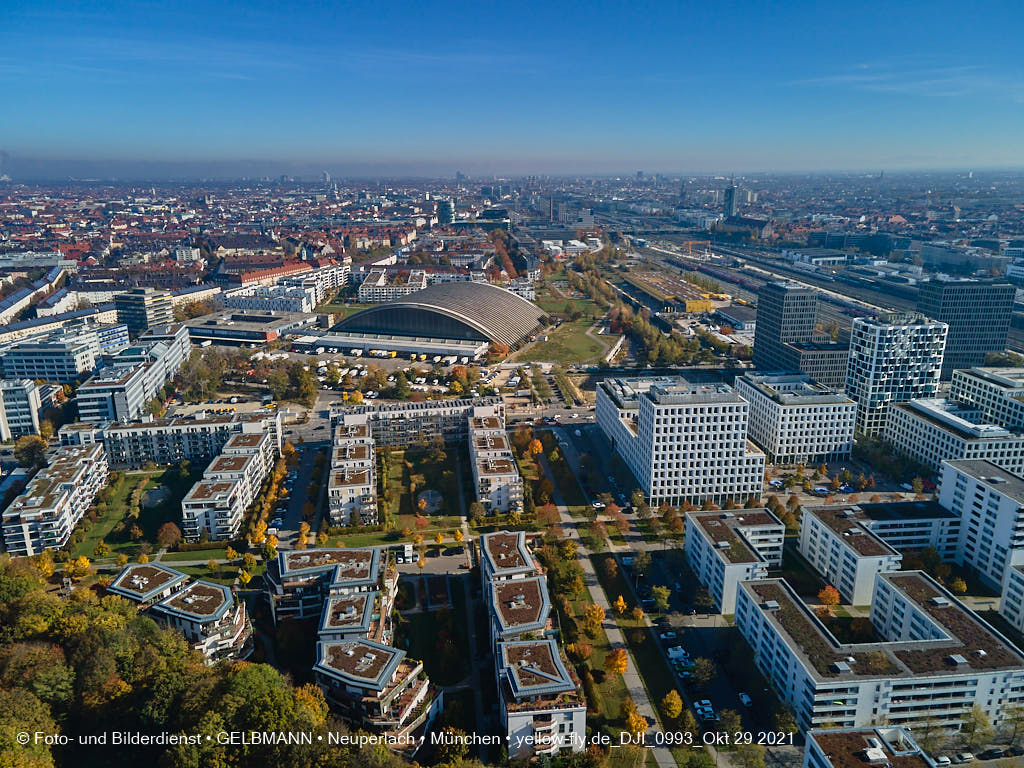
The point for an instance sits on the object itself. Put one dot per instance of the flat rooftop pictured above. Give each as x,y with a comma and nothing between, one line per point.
364,663
849,748
210,490
348,611
964,420
726,528
534,668
966,635
141,581
521,604
486,423
506,552
228,464
200,600
489,466
246,440
997,478
845,521
794,389
349,477
352,563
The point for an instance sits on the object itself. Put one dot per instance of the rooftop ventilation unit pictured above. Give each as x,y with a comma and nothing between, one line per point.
770,605
957,659
939,600
839,666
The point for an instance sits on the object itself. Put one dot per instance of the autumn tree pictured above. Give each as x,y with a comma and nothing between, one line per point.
616,661
672,705
593,618
703,670
77,568
829,596
168,536
661,597
619,605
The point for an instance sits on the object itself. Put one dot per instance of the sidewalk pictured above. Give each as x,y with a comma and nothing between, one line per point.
634,683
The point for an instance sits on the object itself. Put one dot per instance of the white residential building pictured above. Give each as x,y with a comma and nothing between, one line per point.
300,581
894,357
934,659
122,391
378,287
542,711
726,548
795,420
933,430
210,619
683,441
1011,603
20,405
845,553
990,504
207,614
539,700
396,423
55,499
198,437
496,479
269,298
230,484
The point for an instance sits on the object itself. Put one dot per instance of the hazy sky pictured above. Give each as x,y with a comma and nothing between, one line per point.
512,87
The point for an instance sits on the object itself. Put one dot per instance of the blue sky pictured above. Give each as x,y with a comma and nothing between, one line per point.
516,87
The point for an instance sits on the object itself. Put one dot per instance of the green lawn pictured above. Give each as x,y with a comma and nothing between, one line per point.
199,554
566,345
341,309
226,575
439,639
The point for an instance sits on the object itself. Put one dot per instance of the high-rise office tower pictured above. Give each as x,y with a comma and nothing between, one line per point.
785,339
730,201
894,358
144,308
977,313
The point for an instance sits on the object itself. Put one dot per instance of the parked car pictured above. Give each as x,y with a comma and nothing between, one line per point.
942,761
668,635
745,700
846,488
991,754
964,757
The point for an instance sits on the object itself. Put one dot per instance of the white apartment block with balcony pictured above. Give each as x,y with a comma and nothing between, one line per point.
844,552
726,548
269,298
378,286
933,659
496,479
542,711
795,420
933,430
540,703
397,423
211,620
352,481
894,358
324,281
194,438
378,688
1011,603
217,503
20,405
990,504
55,499
683,441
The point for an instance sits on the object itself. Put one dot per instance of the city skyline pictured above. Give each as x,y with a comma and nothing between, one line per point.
190,91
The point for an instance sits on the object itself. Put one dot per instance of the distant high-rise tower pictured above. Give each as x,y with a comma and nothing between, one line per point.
730,202
445,212
144,308
639,175
786,339
978,315
894,358
325,177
